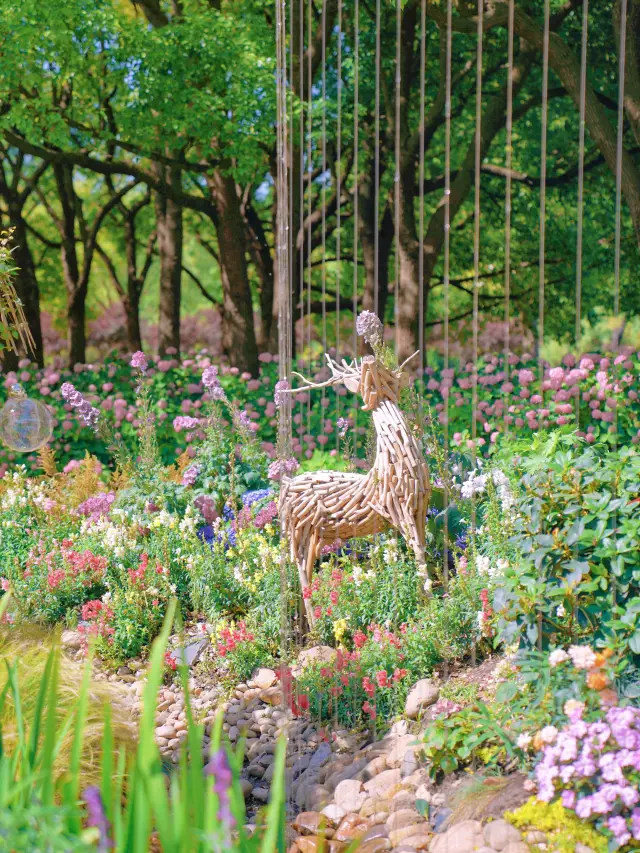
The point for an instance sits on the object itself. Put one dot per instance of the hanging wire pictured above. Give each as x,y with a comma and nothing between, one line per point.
323,190
396,177
476,256
543,191
309,323
581,133
338,193
376,177
301,271
356,178
507,212
616,297
446,271
619,150
543,222
423,16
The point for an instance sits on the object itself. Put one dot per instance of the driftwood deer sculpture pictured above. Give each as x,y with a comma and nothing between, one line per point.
321,507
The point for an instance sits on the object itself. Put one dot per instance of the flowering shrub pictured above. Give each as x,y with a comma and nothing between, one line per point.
56,579
241,649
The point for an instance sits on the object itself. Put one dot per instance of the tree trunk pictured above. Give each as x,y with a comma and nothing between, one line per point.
170,233
408,308
76,290
238,333
131,305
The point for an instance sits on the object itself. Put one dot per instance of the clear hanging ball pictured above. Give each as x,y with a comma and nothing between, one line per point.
25,424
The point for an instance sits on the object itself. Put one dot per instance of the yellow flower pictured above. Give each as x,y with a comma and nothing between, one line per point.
339,628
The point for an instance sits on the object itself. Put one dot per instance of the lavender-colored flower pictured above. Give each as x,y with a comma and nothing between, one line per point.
266,515
86,411
343,425
218,767
139,361
280,395
244,420
217,393
210,377
369,327
97,506
190,475
282,467
207,507
185,422
97,817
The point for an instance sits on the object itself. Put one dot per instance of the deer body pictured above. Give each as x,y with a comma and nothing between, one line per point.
321,507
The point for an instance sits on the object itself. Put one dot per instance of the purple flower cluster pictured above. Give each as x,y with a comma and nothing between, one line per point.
266,515
218,767
185,422
211,382
282,467
97,506
190,475
74,398
97,817
596,769
343,425
369,327
139,361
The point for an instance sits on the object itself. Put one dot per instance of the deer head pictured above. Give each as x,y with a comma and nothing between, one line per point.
371,380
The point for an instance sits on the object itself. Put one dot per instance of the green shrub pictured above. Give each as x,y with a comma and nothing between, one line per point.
575,544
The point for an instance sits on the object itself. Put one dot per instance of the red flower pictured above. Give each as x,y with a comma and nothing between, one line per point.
317,612
399,673
368,686
329,610
369,709
306,592
359,639
345,680
381,678
303,702
333,595
325,672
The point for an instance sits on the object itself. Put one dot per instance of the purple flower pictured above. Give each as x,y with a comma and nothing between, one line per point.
280,395
139,361
86,411
266,515
185,422
210,377
343,425
190,475
97,817
218,767
369,327
244,420
97,506
282,467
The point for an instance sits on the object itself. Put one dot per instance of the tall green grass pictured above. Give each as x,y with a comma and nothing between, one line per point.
140,807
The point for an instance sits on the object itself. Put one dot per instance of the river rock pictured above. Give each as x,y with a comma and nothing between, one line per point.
167,732
422,694
380,786
316,654
333,812
498,834
375,845
72,639
262,678
313,823
465,837
349,795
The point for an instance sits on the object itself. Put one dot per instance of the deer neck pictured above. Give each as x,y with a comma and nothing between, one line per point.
394,439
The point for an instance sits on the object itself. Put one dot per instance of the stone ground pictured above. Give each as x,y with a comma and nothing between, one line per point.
342,786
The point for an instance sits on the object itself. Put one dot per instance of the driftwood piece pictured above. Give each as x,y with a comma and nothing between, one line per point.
321,507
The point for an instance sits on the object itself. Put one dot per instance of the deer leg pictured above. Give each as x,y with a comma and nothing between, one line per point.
305,558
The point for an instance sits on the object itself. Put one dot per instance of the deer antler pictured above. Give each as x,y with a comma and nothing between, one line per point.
407,360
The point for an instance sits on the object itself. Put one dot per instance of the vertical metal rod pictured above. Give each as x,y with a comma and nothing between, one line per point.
507,213
622,50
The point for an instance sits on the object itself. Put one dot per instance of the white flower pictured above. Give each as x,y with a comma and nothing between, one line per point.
557,657
482,564
428,583
560,611
582,657
475,484
524,740
480,619
572,706
548,734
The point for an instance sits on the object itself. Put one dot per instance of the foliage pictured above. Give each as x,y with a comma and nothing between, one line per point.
574,543
132,801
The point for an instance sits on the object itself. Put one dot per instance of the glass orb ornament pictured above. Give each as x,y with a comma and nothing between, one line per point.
25,424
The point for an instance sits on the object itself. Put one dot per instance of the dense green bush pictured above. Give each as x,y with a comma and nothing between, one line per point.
575,540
